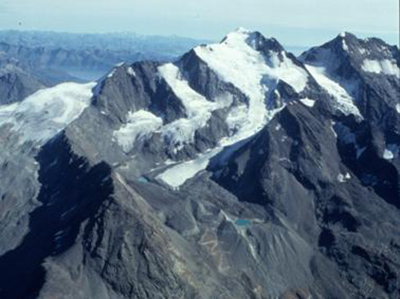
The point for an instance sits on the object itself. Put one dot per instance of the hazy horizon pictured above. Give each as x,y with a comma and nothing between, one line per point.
312,23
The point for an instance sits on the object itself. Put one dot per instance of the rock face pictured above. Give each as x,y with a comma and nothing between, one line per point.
16,84
238,171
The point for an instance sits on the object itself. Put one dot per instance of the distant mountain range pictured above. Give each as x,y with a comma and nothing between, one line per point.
171,46
236,171
52,58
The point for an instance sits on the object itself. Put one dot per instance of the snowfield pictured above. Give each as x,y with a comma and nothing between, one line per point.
198,108
385,66
343,101
181,131
140,124
47,112
308,102
236,62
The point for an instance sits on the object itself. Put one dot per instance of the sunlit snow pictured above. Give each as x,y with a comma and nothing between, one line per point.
308,102
385,66
342,178
387,154
45,113
131,72
198,109
392,151
139,124
179,132
179,174
342,100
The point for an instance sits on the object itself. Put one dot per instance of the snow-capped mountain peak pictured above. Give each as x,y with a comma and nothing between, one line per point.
254,39
224,92
343,64
242,30
237,171
255,66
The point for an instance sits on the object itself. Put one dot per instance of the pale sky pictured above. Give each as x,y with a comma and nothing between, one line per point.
292,22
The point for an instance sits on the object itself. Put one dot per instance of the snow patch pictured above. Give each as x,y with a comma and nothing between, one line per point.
362,51
385,66
333,130
344,45
391,151
387,154
308,102
110,74
342,178
139,124
131,72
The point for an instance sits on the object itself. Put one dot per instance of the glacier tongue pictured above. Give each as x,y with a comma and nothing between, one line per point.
177,175
238,63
